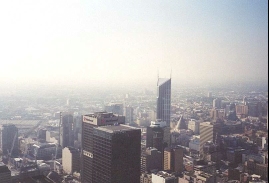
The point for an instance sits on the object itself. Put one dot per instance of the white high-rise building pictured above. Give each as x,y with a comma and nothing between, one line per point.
70,160
194,126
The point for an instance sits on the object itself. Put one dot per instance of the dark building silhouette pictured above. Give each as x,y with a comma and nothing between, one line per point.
158,135
181,124
5,173
173,159
9,138
164,100
115,108
151,159
66,131
116,154
90,121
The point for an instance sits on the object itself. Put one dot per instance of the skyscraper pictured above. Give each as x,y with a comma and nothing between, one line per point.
116,154
66,130
151,159
116,108
90,121
164,99
208,132
158,135
217,103
9,138
70,160
173,159
128,113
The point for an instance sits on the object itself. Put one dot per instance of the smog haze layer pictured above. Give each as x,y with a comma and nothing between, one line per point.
103,44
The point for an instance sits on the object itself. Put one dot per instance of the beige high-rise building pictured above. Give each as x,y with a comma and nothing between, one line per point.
173,159
70,160
206,134
241,110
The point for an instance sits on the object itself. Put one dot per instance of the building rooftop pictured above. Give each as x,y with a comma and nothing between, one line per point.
162,81
3,168
116,128
165,175
101,114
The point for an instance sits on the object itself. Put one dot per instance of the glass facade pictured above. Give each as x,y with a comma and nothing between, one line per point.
164,100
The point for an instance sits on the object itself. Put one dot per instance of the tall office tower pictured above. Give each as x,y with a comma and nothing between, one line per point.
77,125
70,160
128,113
241,110
173,159
66,130
116,154
9,138
115,108
164,100
254,109
5,173
158,135
209,94
194,126
181,124
208,132
88,123
216,114
217,103
151,159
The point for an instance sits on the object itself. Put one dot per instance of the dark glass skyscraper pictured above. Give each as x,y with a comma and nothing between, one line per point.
9,138
66,131
89,122
116,154
164,99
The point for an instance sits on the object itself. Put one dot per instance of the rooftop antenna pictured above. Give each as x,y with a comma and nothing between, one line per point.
171,73
157,76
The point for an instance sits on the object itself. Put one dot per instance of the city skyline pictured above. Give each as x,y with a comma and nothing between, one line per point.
90,43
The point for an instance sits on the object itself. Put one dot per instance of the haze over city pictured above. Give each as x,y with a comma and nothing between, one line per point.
134,91
105,43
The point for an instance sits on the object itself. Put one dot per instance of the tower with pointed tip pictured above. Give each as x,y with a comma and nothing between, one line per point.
164,99
181,124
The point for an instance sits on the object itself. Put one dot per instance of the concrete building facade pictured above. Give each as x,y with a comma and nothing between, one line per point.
70,160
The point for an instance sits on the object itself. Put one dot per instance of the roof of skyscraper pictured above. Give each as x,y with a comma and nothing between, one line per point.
116,128
162,81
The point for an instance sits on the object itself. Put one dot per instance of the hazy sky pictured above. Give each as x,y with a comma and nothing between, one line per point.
114,42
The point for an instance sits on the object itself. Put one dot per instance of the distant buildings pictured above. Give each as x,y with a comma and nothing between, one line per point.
115,108
9,139
194,126
129,114
46,151
209,94
216,114
241,110
163,177
194,143
164,100
217,103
